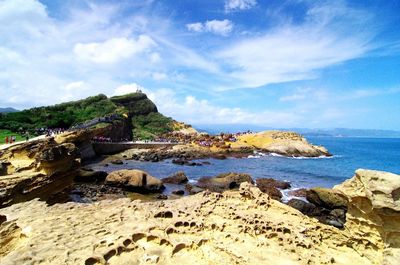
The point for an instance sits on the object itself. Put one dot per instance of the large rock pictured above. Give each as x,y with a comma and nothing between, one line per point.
373,214
38,167
85,175
326,198
135,180
272,186
283,143
306,208
224,181
270,182
177,178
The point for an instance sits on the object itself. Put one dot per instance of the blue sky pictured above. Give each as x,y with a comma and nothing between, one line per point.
273,63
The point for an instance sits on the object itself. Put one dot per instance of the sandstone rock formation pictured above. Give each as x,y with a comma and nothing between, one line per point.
283,143
236,227
224,181
89,175
135,180
272,186
326,198
373,216
177,178
29,168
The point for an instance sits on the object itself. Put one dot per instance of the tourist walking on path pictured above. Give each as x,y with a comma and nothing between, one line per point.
6,139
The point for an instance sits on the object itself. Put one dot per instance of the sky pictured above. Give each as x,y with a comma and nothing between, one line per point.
273,63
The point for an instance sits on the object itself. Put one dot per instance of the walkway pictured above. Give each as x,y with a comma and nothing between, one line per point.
5,146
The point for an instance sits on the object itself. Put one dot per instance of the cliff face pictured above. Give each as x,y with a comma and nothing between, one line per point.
29,167
373,216
236,227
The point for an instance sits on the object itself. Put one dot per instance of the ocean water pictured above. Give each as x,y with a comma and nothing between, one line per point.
349,155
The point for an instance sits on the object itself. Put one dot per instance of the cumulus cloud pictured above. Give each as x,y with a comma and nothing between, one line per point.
127,88
196,27
232,5
219,27
192,110
113,50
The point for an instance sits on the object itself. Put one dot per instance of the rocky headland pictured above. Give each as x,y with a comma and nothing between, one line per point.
242,226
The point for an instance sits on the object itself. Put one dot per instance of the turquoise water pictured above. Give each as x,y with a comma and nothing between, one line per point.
349,155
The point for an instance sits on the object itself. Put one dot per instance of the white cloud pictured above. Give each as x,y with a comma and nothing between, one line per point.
219,27
199,111
113,50
232,5
196,27
127,88
75,85
296,52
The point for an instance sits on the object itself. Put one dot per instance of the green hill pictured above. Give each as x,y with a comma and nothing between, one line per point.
141,112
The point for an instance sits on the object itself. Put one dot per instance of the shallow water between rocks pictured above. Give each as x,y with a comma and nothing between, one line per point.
349,155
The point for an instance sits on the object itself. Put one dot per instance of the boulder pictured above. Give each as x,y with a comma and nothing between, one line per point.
134,180
273,192
178,192
117,162
298,192
326,198
178,162
224,181
85,175
3,218
270,182
193,189
161,197
177,178
306,208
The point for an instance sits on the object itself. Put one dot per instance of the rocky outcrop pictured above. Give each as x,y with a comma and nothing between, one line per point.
31,168
279,142
224,181
134,180
89,175
177,178
326,198
235,227
373,216
272,187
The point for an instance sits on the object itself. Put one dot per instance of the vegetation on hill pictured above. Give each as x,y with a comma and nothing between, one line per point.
147,122
150,125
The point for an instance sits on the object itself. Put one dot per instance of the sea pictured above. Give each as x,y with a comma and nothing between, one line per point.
349,154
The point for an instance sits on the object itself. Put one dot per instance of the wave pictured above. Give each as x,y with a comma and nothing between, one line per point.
257,154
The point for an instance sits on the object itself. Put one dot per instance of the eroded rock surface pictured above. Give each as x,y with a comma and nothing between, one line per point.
373,216
224,181
242,226
135,180
177,178
28,168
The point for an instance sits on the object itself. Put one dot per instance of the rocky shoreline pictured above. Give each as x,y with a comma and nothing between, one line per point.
123,215
242,226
